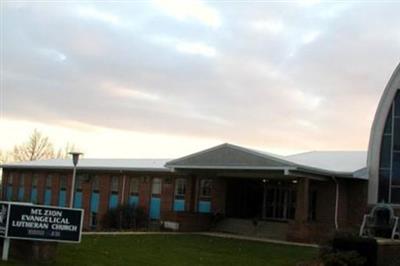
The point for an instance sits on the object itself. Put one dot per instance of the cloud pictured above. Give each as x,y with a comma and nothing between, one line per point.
184,46
93,13
268,26
190,10
310,36
141,67
53,54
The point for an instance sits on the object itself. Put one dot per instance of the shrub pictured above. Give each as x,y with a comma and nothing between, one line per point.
350,249
124,217
343,258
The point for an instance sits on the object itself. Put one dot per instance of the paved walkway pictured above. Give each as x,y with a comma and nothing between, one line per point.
213,234
258,239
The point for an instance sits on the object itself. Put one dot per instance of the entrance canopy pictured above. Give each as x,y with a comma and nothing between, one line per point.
229,157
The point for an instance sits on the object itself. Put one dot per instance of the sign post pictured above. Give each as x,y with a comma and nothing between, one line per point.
4,211
6,248
75,159
40,223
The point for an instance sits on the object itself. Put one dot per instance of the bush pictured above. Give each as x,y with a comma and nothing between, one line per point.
342,258
124,217
350,249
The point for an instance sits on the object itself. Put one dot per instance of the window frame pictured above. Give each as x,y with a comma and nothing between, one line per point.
63,182
134,186
48,181
154,185
202,187
35,180
21,181
95,183
180,188
114,184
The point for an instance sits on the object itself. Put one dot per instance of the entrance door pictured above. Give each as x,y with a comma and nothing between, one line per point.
155,201
279,202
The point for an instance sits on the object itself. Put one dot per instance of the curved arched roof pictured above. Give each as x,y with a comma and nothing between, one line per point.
377,132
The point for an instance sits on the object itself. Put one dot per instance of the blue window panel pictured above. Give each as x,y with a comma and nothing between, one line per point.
396,134
155,204
386,154
113,201
204,206
133,201
34,195
20,194
62,198
9,193
94,202
78,200
47,197
384,185
397,104
179,205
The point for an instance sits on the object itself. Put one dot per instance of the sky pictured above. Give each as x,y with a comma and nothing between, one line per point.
162,79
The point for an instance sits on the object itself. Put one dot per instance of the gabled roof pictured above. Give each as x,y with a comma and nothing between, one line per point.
228,156
95,164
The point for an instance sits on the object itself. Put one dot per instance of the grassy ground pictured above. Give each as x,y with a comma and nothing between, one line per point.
178,250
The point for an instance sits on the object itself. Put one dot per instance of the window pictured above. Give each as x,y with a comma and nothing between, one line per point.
34,180
386,155
180,188
114,184
133,186
93,220
63,182
395,195
389,166
205,188
95,183
312,215
21,180
156,186
10,179
384,184
48,181
397,104
396,134
78,182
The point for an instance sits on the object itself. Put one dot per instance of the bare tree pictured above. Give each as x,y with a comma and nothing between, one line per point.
37,148
4,157
63,152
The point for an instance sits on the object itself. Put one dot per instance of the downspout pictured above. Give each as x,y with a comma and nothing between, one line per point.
336,203
123,189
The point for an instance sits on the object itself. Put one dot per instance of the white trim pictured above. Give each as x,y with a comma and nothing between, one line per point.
283,168
42,206
97,168
271,157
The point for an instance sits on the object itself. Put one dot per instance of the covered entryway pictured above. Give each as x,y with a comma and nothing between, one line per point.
260,199
259,194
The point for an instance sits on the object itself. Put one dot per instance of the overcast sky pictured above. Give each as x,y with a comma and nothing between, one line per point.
162,79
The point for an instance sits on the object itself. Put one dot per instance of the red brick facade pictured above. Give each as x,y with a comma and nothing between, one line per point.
352,199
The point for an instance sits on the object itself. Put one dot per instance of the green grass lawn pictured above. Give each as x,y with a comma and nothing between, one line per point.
178,250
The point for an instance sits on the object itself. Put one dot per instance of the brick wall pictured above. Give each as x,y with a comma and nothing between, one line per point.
218,196
352,206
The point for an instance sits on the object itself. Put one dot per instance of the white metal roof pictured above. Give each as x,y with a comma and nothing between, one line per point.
93,164
350,163
335,161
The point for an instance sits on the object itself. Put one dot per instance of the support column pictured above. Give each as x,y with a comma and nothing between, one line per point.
302,201
196,194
